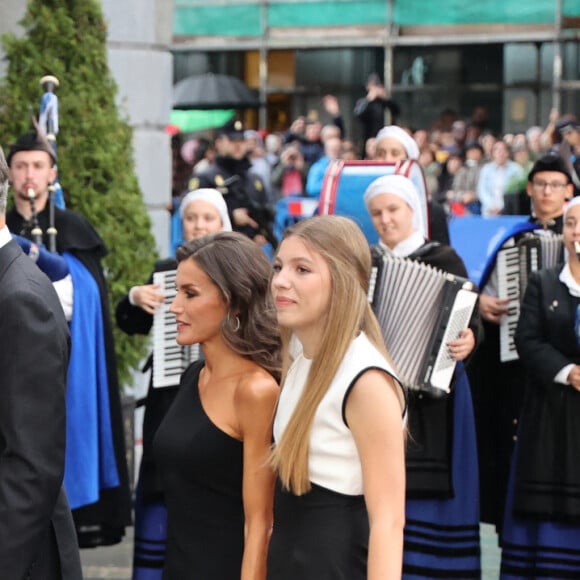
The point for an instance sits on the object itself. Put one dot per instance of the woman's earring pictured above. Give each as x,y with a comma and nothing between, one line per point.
237,326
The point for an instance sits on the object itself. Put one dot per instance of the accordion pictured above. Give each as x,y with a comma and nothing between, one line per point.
514,264
169,358
420,309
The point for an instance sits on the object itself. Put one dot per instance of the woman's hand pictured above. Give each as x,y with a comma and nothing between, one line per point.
574,377
148,297
461,348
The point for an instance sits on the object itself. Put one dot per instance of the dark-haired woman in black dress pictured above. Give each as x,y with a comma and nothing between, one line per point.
213,444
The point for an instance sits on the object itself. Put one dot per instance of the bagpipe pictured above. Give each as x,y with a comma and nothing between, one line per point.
53,265
48,127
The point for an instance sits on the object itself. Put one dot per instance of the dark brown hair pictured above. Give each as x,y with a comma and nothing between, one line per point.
241,272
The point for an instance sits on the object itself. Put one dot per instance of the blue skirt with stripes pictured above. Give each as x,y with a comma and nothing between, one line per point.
150,538
537,549
442,535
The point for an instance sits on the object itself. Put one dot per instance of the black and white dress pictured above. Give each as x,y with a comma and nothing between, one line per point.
323,534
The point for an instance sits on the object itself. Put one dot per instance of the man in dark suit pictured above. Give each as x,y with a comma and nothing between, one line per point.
37,535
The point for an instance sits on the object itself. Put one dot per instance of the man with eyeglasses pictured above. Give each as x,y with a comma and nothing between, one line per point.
498,386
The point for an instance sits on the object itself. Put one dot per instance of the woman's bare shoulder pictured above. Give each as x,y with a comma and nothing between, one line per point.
255,385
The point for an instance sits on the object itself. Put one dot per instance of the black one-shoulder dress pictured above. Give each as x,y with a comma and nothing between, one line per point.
201,473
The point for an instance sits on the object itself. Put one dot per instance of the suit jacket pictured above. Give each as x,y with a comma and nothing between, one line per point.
37,536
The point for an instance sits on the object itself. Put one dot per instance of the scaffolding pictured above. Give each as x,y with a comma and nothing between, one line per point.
269,25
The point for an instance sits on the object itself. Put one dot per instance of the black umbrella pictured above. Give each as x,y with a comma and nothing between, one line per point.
211,91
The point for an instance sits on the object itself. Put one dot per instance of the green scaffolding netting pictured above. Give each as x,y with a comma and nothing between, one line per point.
199,17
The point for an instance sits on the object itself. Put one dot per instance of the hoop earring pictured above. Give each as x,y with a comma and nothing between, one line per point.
237,325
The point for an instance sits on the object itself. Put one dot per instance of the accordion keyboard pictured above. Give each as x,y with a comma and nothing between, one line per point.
169,358
514,265
508,269
459,320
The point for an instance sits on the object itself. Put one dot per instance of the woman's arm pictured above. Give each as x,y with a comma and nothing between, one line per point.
373,413
256,400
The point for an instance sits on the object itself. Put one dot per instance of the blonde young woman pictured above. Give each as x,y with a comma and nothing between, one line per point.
338,432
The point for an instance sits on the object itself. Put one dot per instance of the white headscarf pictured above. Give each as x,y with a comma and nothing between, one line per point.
408,143
212,196
572,203
402,187
566,274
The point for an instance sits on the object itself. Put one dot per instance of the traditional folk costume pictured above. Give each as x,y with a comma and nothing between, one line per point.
541,535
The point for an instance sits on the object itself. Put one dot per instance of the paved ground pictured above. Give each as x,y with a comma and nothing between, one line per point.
110,562
490,554
115,562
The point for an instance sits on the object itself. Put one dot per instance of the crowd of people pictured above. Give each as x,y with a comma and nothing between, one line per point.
468,168
461,447
293,446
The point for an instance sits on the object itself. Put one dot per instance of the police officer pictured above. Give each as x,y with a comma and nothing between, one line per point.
243,190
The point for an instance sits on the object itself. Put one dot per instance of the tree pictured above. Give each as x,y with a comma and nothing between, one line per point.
67,39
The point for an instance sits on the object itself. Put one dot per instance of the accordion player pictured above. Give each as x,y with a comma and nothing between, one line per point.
420,309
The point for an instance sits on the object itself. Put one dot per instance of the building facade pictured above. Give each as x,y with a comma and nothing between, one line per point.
518,60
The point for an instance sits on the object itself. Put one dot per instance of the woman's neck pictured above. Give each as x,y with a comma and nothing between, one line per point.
310,340
407,246
220,359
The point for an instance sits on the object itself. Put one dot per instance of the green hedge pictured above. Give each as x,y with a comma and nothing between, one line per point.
67,38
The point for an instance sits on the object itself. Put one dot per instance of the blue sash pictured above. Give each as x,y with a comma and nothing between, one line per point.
511,233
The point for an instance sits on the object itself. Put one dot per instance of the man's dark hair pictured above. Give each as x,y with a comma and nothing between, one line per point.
32,141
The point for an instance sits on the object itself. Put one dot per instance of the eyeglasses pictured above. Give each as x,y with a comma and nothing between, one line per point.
553,185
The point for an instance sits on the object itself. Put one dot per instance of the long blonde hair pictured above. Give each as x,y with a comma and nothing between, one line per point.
346,251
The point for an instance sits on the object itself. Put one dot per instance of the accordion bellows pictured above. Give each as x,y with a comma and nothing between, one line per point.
420,309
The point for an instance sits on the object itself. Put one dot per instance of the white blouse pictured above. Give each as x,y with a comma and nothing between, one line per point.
333,462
